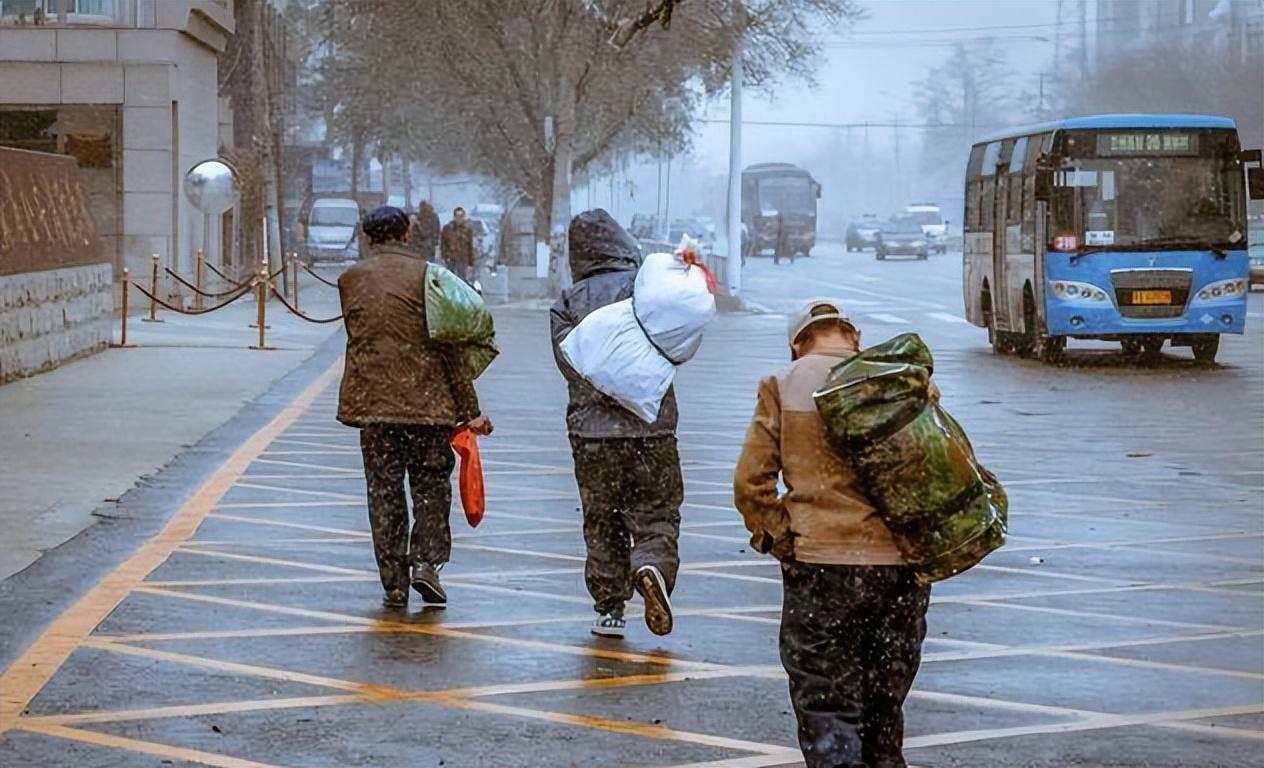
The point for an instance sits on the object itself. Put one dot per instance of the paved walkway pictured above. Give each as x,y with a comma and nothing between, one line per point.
72,441
247,632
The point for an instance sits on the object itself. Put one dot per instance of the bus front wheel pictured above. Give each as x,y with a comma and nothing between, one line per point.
1205,349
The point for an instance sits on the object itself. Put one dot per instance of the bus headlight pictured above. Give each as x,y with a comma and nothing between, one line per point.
1077,293
1221,290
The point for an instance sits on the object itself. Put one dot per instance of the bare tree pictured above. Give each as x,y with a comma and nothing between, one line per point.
530,92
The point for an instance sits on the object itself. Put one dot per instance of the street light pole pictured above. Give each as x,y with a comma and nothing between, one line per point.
733,265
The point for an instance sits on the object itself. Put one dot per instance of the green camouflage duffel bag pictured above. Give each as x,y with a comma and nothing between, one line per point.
457,316
946,511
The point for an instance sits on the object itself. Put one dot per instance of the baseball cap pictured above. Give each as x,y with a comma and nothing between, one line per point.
813,312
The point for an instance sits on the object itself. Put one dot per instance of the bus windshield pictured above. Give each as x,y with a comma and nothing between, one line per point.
785,194
1156,201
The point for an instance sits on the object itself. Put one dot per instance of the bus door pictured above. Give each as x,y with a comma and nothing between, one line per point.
1000,270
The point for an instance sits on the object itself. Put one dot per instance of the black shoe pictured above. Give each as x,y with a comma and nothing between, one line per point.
395,598
653,589
426,582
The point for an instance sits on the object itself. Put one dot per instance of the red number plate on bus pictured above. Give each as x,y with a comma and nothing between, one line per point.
1151,297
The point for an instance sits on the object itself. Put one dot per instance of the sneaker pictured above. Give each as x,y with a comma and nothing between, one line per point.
609,625
426,582
395,598
653,589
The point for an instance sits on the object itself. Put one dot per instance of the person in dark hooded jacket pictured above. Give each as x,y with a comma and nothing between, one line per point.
628,471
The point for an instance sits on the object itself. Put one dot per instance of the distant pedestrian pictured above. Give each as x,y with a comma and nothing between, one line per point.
628,471
457,246
782,249
425,231
853,614
406,395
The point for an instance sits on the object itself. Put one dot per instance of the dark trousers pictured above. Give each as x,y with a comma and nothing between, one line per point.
424,454
851,642
631,491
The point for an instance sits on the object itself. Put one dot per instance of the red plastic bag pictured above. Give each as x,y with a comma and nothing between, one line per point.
473,498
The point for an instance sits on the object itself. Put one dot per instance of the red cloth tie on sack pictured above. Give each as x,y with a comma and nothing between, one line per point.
473,496
688,253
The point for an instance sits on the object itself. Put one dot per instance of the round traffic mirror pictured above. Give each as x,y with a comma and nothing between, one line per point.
211,186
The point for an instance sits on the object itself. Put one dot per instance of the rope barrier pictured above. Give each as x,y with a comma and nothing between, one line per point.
295,310
236,283
201,292
242,292
312,272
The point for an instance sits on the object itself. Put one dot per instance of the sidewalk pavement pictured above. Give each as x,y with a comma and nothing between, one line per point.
73,440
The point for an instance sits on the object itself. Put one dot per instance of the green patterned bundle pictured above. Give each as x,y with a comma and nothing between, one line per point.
457,316
946,511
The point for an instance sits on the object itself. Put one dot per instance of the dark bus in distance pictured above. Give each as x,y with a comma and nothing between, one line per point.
769,189
1128,228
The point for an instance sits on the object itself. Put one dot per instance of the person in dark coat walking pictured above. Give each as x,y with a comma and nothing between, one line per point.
457,246
628,471
425,231
782,249
406,395
853,613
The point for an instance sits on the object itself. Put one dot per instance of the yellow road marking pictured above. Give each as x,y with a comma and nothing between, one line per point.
144,747
440,631
274,561
195,710
33,669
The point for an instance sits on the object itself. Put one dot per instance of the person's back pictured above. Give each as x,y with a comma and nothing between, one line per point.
394,374
457,246
406,396
853,614
628,471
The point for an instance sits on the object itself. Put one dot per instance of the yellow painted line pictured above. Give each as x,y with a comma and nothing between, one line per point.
619,726
1219,731
273,561
36,666
438,630
376,692
252,520
300,492
164,751
196,710
196,543
602,683
246,582
290,504
237,634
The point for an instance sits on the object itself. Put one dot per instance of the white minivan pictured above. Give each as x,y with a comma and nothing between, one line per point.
332,224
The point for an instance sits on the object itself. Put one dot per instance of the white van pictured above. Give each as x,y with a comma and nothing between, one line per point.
933,224
331,229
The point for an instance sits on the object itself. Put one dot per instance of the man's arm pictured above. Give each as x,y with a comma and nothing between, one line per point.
562,322
755,492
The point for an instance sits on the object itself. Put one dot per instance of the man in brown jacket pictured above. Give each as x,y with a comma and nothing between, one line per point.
456,245
853,613
405,395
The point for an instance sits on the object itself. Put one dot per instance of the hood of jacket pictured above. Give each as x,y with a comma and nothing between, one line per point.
598,244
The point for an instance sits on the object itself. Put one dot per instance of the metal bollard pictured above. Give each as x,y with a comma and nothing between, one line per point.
294,264
262,288
127,289
265,276
153,293
197,279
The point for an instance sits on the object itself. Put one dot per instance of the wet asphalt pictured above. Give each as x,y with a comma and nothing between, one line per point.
1123,624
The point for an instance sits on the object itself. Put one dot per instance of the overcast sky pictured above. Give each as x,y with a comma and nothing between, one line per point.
867,73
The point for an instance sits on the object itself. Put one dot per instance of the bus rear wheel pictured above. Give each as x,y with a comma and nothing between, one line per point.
1205,349
1035,343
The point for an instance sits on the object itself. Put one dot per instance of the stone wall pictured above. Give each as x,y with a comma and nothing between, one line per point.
49,317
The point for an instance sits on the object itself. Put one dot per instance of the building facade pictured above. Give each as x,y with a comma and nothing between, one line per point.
129,88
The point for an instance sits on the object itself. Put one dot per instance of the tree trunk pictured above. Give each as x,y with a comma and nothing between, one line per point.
357,157
560,218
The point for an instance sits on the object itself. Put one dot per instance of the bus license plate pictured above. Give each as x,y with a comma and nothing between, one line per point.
1151,297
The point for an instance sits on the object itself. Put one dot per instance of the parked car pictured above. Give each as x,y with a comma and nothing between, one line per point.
863,233
933,225
902,236
331,229
695,228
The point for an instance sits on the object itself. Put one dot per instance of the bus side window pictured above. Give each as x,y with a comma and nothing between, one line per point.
974,189
1016,164
987,208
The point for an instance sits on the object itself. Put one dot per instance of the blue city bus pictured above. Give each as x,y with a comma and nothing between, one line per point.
1128,228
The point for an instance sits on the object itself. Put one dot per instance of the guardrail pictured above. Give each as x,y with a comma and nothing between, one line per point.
262,283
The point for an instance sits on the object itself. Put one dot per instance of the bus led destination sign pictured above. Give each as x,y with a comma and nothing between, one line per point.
1165,143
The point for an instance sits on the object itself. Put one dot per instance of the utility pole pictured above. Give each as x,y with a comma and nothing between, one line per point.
733,265
1083,38
1040,103
899,176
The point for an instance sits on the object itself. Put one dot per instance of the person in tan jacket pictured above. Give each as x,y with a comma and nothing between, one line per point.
853,613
